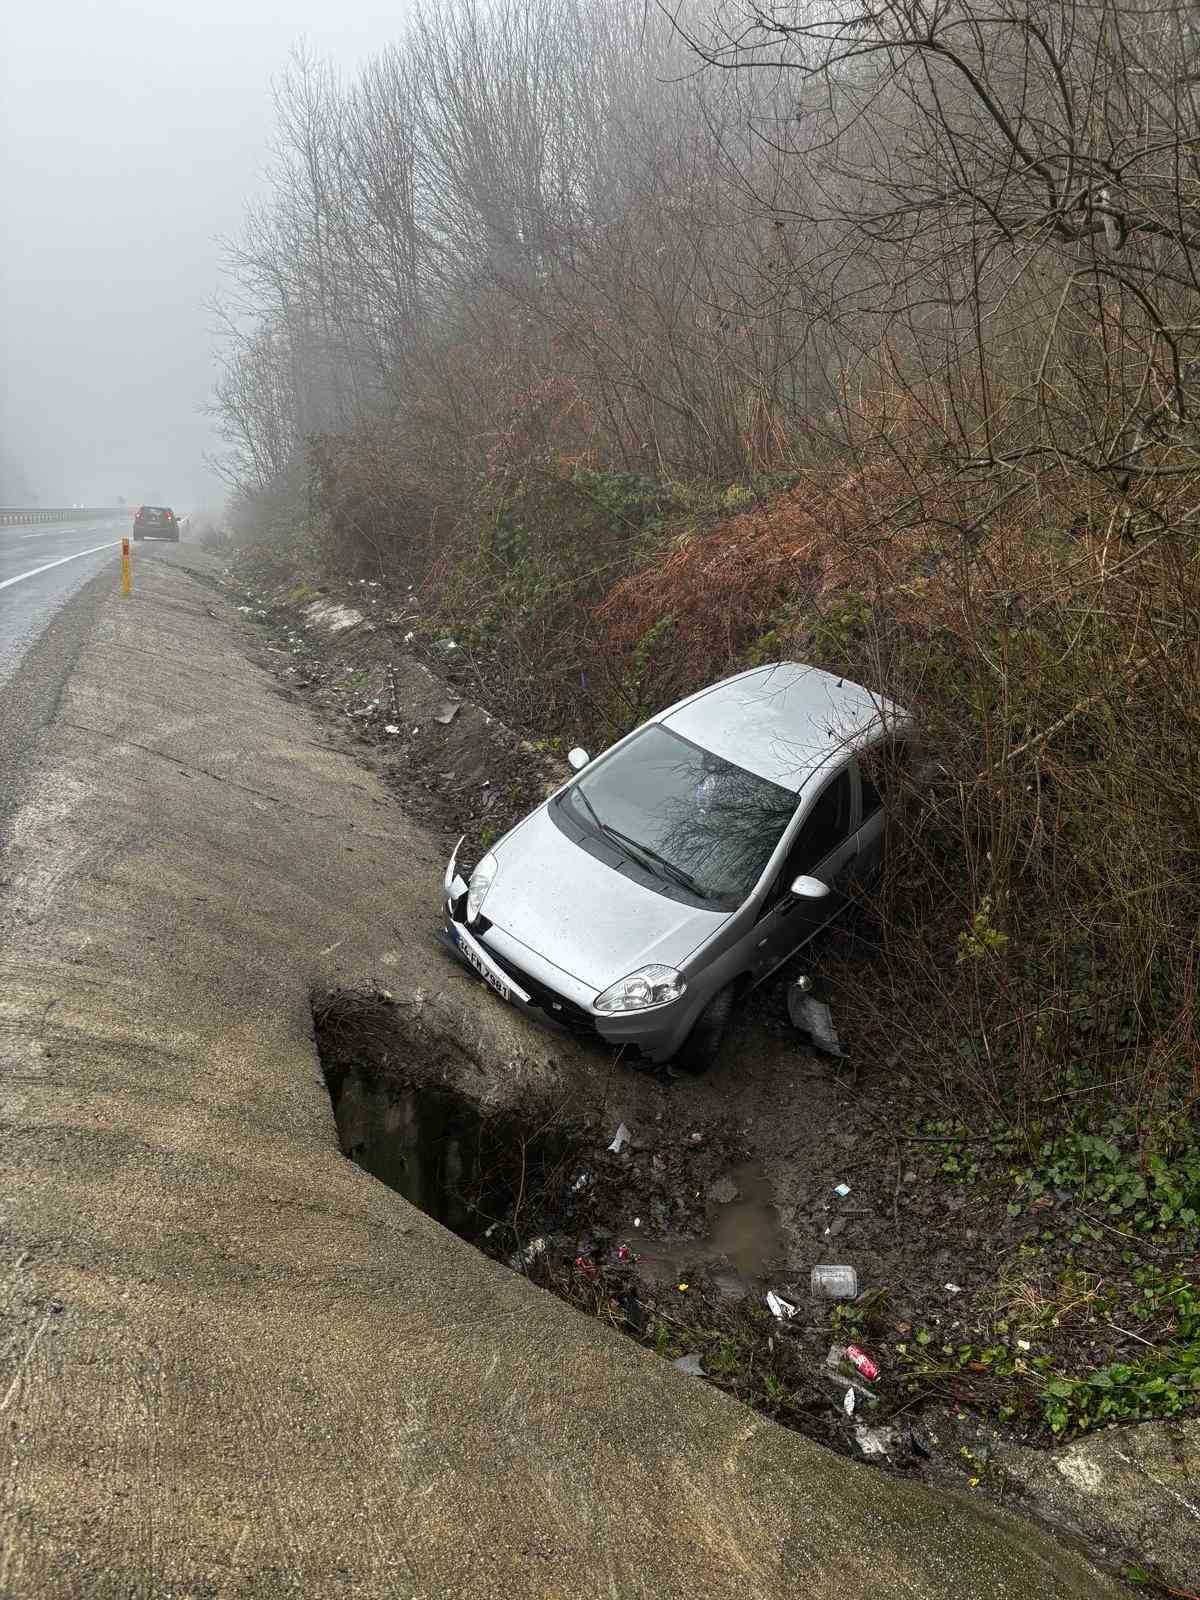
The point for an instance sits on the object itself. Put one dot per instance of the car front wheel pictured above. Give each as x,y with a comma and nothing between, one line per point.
700,1049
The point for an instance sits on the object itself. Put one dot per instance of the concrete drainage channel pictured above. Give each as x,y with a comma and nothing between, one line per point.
549,1198
487,1179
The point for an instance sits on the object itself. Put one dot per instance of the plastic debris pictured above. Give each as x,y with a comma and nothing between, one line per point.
842,1189
840,1374
875,1441
446,713
783,1310
637,1222
620,1139
682,1287
391,728
586,1265
848,1402
526,1257
953,1288
690,1365
833,1283
581,1182
623,1253
859,1358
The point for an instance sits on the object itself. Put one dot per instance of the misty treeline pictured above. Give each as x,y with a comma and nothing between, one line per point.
658,338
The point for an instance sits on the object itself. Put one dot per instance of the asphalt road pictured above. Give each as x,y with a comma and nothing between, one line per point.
52,578
41,567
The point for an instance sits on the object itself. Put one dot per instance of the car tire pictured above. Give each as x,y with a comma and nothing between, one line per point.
701,1048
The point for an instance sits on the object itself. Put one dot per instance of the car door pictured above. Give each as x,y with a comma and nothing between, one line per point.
825,847
881,771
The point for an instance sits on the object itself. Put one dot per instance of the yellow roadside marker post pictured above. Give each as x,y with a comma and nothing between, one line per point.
126,575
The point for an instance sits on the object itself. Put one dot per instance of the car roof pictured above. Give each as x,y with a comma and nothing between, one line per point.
784,722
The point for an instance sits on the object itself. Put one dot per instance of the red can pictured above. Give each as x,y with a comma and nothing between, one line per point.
860,1358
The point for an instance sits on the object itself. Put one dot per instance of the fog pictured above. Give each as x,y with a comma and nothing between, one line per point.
132,135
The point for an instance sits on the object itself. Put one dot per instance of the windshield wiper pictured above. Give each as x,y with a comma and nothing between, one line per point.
676,875
669,870
603,826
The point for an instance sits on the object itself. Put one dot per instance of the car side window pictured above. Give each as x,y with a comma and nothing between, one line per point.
824,828
881,771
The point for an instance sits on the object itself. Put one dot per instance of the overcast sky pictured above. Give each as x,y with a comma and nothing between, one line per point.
132,134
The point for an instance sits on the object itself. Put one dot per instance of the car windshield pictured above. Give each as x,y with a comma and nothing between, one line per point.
689,816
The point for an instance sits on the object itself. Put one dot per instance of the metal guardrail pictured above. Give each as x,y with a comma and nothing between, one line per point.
13,514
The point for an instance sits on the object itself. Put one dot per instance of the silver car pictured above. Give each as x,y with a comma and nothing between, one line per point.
684,865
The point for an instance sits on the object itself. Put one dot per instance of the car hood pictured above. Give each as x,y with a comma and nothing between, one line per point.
586,917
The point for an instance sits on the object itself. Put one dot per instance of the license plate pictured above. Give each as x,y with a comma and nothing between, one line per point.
488,977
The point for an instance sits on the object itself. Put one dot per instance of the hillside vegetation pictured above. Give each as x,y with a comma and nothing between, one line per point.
649,342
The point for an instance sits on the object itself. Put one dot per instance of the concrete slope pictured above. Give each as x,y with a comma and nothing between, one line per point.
233,1365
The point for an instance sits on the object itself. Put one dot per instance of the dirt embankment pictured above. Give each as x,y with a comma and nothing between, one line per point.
971,1304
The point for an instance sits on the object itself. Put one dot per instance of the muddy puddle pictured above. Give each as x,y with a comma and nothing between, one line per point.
743,1244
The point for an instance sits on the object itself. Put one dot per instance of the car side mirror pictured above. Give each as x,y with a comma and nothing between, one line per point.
806,888
577,759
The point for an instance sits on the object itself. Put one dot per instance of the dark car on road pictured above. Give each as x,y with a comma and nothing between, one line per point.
155,522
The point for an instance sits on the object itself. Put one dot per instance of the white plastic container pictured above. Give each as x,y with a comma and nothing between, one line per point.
833,1283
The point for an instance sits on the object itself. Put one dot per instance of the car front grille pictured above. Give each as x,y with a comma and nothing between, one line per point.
556,1006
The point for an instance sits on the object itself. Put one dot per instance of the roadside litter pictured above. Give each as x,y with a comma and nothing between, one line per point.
526,1257
839,1371
842,1189
782,1310
862,1362
690,1365
620,1140
875,1441
833,1283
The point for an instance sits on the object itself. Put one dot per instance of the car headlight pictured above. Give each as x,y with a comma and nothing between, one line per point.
481,882
649,986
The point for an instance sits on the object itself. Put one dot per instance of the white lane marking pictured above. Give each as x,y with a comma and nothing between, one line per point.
44,533
33,572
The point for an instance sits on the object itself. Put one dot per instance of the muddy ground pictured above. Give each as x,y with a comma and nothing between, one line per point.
977,1285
